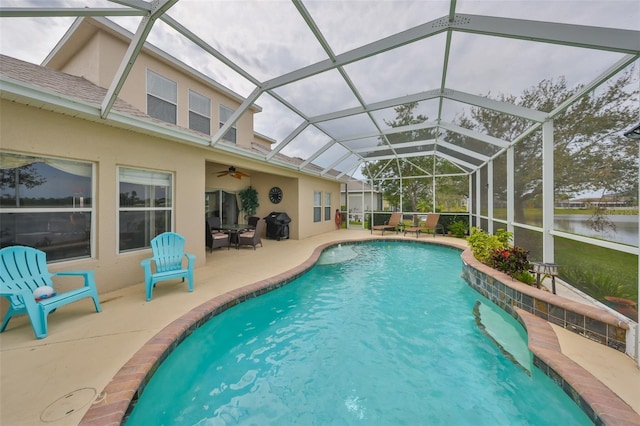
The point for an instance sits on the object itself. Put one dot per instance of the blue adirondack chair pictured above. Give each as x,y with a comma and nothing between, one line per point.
168,254
22,271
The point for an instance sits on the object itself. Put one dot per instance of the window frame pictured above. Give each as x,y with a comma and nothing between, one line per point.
150,209
234,128
205,115
150,75
327,206
317,206
72,210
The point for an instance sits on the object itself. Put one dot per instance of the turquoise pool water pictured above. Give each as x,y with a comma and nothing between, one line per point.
380,333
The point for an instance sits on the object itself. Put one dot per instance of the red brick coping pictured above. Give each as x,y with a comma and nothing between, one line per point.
117,399
596,400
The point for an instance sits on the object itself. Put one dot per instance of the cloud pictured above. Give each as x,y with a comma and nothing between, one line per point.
270,38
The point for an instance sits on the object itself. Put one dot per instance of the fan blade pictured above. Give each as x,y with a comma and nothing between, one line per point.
237,175
241,174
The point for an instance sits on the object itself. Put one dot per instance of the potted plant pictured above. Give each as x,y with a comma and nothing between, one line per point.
249,201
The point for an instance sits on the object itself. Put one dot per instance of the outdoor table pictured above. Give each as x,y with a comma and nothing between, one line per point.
234,229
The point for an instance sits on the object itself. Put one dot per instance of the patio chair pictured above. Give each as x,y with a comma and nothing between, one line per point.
392,224
168,256
23,272
214,223
216,239
431,224
253,237
253,221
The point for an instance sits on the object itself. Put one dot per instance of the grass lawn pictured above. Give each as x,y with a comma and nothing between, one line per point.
597,270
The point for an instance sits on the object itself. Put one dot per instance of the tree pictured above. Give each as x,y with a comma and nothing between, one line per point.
387,173
590,153
26,175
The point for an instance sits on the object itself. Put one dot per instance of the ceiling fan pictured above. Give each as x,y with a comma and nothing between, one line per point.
233,173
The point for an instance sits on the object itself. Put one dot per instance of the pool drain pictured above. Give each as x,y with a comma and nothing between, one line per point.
67,404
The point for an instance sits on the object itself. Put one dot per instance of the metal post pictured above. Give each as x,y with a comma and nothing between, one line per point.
490,195
510,189
547,192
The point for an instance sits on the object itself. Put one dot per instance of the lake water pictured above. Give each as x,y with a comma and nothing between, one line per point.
625,232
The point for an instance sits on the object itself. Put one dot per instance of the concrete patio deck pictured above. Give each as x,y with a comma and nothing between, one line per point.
56,380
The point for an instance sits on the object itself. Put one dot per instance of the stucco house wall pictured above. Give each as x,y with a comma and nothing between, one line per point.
98,52
66,137
32,126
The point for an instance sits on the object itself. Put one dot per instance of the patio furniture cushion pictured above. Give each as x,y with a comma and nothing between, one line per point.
253,237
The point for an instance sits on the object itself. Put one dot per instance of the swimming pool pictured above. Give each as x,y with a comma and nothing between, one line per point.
376,333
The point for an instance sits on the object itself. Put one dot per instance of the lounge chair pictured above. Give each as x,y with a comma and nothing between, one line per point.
24,275
392,224
168,255
252,237
431,224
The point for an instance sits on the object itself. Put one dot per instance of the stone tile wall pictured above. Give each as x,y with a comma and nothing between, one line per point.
508,293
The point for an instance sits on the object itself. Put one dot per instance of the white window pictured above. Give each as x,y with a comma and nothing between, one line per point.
225,115
162,97
145,207
327,206
317,206
199,112
47,204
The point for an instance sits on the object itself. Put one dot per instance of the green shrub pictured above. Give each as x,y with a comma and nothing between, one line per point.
482,244
525,277
458,228
512,260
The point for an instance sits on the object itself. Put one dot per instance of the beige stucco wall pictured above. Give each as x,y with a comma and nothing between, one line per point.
134,92
99,59
305,205
297,200
96,56
65,137
87,63
30,130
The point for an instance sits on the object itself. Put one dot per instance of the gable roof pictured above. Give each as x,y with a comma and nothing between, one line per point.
59,92
85,27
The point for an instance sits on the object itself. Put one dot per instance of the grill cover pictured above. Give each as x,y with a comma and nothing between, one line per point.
277,225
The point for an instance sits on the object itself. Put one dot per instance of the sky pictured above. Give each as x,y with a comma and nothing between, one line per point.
270,38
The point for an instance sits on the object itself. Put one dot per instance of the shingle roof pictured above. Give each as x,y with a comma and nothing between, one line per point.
65,85
76,88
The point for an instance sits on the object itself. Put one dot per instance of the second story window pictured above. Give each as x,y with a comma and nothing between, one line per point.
199,112
225,114
162,97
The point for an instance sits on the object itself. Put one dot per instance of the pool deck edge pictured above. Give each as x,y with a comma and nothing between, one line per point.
115,401
605,406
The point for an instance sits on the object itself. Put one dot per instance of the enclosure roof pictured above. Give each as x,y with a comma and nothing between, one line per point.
329,76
